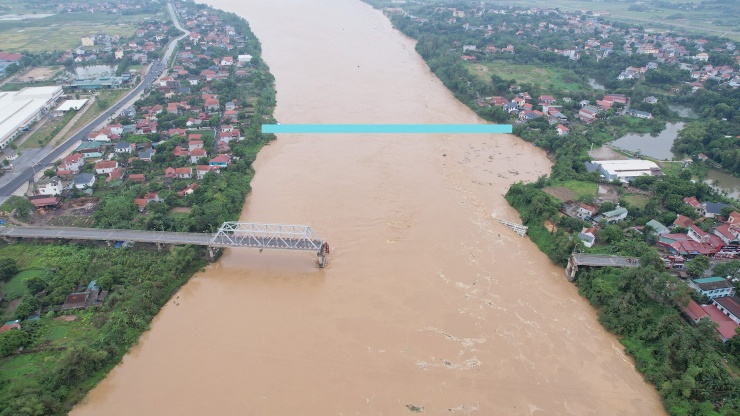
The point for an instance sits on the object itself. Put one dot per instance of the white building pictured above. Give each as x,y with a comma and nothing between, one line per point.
84,180
627,170
49,186
729,307
20,109
713,287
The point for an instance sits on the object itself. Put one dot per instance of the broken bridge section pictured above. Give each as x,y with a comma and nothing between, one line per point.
272,236
597,260
230,234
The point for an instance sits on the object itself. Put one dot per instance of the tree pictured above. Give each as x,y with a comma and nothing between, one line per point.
696,266
11,341
27,307
35,284
606,207
730,270
611,233
8,269
22,206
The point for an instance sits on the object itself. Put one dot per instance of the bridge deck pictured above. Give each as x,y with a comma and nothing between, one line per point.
204,239
603,260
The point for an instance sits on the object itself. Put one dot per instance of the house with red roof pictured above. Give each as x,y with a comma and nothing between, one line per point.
195,144
616,98
179,151
189,189
105,167
220,161
727,234
586,211
141,202
562,130
137,178
698,235
547,99
212,104
726,327
683,221
694,311
10,325
197,154
115,174
695,204
102,135
201,170
729,307
73,162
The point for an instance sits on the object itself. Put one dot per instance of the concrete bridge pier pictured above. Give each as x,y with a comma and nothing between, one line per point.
571,269
323,252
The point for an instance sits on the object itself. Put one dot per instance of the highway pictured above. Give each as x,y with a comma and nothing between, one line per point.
47,156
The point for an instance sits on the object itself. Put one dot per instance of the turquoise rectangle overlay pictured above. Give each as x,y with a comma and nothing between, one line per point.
386,128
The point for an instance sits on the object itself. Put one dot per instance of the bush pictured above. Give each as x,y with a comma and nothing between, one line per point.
11,341
8,269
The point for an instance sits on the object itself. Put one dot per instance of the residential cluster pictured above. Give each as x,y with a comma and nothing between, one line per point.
202,145
592,36
680,241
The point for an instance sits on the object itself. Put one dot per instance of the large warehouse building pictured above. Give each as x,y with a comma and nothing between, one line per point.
20,109
627,170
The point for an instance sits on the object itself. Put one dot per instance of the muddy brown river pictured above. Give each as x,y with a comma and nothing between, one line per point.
427,302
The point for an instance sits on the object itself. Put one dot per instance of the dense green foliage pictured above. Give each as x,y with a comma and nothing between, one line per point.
535,208
61,366
19,206
717,139
8,268
684,362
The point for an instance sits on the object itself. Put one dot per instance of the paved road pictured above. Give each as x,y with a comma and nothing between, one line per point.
602,260
23,172
204,239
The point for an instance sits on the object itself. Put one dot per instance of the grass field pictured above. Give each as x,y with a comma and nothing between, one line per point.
43,135
670,168
719,22
62,32
16,287
583,190
637,200
560,79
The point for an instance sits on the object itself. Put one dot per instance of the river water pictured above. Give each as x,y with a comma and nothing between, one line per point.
426,301
658,146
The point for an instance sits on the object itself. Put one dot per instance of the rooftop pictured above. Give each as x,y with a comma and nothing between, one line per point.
729,304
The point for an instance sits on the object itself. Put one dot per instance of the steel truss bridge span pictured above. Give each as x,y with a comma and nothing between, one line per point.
230,234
